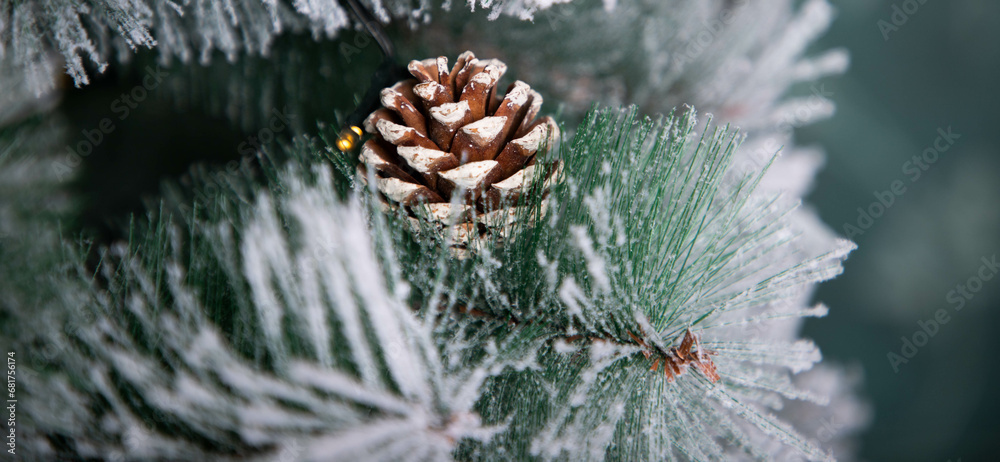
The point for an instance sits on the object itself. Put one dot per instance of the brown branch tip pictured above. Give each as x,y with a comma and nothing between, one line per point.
678,358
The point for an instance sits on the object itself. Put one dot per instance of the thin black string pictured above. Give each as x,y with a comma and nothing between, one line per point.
362,15
388,72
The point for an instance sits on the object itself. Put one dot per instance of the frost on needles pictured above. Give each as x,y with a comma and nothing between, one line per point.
650,235
91,33
290,320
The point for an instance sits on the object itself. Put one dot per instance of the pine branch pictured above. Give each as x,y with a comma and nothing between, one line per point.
85,33
734,59
280,302
648,236
276,320
257,328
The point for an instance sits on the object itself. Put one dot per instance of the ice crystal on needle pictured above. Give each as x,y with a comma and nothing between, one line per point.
688,252
651,245
274,328
651,313
317,358
88,30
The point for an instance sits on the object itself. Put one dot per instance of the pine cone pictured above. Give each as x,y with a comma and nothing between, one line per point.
447,134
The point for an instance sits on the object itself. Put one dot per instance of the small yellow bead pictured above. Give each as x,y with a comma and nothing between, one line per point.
349,137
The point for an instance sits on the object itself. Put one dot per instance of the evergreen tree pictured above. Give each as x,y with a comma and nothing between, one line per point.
644,305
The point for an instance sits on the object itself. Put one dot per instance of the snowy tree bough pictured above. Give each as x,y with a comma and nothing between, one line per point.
38,37
290,319
648,237
316,360
280,326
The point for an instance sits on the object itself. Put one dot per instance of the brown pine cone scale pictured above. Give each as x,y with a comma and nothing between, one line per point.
446,133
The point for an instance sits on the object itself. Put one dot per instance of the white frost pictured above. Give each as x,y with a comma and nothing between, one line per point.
469,176
485,130
420,158
393,132
595,263
450,114
396,189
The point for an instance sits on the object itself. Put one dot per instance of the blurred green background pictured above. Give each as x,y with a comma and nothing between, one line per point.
939,69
